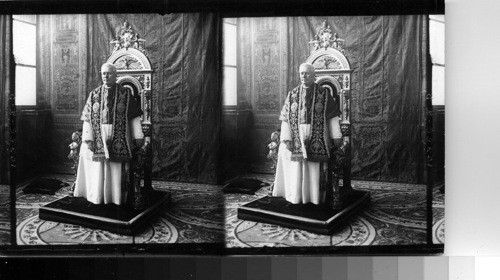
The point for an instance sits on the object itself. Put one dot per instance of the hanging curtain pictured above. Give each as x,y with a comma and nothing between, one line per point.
5,94
388,55
184,53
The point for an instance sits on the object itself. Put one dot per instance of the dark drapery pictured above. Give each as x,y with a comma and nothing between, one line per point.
184,53
7,214
387,54
5,91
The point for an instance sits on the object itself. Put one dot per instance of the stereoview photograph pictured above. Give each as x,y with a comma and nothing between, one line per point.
253,132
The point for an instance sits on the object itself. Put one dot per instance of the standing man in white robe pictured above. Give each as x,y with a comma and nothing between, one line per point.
111,120
309,122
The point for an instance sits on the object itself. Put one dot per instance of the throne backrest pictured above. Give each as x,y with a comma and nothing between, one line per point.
333,70
134,70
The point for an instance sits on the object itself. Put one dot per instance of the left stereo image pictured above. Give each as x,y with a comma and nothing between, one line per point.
117,138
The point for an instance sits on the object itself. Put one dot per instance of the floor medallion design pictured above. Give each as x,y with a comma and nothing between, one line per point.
194,215
34,231
396,215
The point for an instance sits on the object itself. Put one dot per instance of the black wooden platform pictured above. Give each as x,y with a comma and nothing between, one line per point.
122,219
310,217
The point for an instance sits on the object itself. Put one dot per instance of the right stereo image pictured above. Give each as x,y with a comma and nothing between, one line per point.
334,133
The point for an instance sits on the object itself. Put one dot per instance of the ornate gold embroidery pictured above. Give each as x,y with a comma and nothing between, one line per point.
318,147
119,148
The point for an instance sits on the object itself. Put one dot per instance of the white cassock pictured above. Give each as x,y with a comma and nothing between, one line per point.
299,181
101,181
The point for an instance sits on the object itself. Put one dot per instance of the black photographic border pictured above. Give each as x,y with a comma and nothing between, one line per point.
223,8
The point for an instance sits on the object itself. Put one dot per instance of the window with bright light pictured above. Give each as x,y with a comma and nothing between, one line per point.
230,65
24,47
436,42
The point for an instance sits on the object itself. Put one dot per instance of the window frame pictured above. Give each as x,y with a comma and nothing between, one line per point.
438,65
15,18
225,65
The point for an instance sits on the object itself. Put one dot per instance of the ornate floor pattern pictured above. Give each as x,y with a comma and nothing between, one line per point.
438,217
395,216
195,215
4,215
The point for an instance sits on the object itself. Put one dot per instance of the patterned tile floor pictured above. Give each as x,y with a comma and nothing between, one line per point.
395,216
4,215
195,215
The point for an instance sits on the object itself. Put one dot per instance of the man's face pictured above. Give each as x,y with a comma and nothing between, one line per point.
306,75
108,75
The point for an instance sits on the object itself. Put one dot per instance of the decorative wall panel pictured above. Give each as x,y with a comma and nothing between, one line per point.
67,55
62,74
266,64
262,82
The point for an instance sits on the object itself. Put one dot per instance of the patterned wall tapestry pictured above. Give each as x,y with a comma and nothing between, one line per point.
386,53
262,77
183,50
61,83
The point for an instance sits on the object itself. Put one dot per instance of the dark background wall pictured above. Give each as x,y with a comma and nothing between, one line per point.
388,55
186,97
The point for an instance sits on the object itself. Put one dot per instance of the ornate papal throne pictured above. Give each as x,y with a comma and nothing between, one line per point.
333,72
134,73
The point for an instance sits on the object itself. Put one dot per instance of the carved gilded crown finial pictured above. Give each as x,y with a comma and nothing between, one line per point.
326,39
126,38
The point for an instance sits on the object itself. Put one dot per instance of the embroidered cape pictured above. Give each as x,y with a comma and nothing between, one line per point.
123,107
322,108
